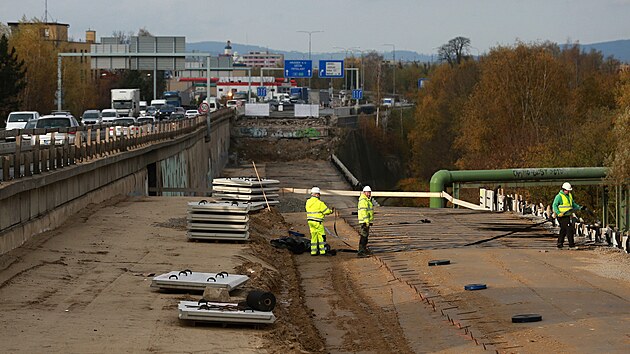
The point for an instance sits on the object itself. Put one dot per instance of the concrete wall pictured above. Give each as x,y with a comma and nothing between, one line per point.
218,142
31,205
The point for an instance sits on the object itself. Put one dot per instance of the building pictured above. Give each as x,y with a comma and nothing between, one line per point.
263,60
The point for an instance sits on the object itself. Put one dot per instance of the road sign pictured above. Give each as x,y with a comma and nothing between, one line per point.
204,107
261,91
422,82
330,69
357,94
298,68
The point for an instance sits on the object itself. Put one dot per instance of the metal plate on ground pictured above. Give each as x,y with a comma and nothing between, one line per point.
217,226
183,280
247,190
244,181
222,312
219,236
243,197
231,207
235,218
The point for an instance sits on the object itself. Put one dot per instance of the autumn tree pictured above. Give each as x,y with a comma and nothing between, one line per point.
455,51
40,60
12,78
520,103
438,116
619,159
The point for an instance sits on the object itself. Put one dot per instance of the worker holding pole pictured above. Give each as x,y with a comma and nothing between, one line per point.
563,206
315,212
366,218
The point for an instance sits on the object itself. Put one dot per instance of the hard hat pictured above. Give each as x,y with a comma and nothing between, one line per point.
367,189
315,190
566,186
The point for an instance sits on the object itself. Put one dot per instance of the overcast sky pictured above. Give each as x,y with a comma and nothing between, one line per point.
420,25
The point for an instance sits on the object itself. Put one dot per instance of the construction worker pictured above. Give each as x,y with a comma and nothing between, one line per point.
366,218
315,212
564,206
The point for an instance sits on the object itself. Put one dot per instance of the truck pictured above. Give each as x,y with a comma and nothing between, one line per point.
172,98
299,93
126,102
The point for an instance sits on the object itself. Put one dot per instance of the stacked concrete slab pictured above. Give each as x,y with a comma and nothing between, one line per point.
198,281
226,221
246,189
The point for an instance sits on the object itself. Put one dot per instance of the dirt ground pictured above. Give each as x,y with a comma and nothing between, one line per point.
84,287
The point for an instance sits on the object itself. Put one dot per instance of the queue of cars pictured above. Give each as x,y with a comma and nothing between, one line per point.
119,126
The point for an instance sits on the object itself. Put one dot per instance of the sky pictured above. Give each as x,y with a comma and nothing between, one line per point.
420,25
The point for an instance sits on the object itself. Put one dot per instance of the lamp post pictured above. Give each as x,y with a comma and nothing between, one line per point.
310,34
346,50
394,73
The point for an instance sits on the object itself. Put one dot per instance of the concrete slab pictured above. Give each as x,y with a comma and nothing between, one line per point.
222,312
198,281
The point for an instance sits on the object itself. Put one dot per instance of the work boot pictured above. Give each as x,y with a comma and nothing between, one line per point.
362,254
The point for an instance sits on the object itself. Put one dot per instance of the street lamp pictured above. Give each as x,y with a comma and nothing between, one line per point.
310,34
394,74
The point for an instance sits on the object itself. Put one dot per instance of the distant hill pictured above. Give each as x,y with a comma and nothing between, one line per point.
619,49
214,48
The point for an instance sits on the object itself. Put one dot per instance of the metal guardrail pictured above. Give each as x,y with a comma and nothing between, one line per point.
90,142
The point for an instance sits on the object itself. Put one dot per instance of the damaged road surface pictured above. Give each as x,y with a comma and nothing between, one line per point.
85,286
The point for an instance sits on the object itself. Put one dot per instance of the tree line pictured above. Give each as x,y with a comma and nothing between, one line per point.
522,105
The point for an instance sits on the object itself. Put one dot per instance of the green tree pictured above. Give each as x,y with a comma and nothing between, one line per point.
12,78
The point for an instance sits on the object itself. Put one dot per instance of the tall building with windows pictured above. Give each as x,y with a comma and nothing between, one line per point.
262,59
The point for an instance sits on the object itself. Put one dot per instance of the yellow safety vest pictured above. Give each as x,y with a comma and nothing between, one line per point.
316,209
567,203
365,210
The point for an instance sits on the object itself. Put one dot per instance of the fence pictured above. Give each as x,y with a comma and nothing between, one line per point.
29,156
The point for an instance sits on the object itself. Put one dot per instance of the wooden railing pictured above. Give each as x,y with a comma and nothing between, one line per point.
28,155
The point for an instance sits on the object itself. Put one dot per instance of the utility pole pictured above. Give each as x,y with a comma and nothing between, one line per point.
310,34
394,72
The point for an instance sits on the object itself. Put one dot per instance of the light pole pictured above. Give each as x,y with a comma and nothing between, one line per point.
345,87
310,34
394,74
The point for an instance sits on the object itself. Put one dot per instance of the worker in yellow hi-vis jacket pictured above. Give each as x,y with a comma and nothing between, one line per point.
315,212
366,218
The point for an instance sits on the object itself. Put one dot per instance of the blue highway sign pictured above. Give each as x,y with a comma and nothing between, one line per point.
357,94
298,68
331,69
261,91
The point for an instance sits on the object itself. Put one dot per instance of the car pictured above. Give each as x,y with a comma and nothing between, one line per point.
151,111
177,116
180,110
53,122
191,113
273,104
91,116
122,125
60,113
165,112
231,104
108,115
146,120
18,120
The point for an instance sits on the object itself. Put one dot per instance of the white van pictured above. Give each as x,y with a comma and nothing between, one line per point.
158,103
18,120
109,115
213,103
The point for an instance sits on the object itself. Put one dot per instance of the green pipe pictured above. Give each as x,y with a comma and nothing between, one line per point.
443,178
